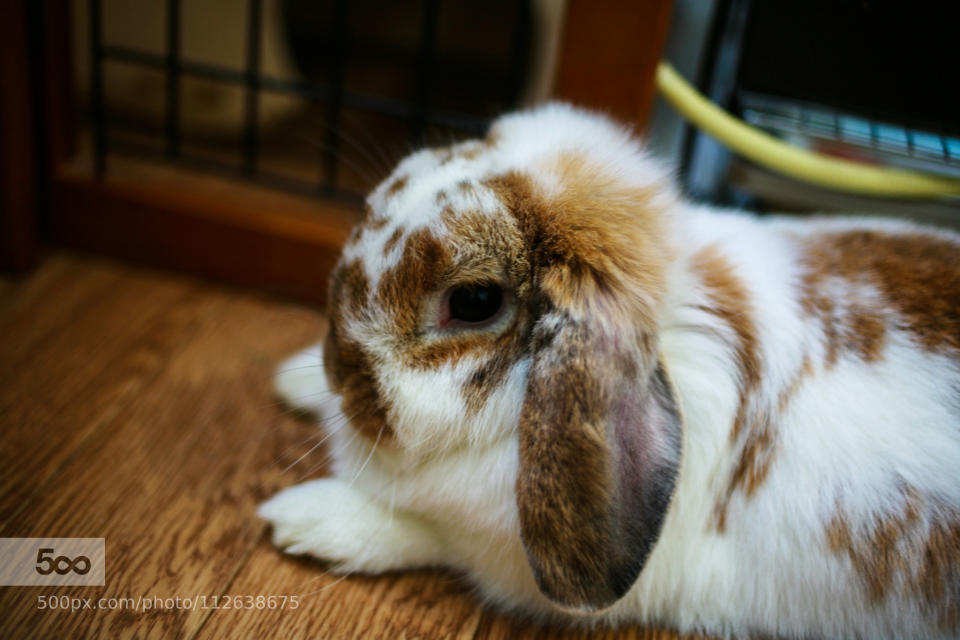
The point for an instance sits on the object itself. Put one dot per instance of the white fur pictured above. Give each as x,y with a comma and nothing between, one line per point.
851,435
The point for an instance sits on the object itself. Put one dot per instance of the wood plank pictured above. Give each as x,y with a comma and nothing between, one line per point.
77,341
498,626
171,480
417,604
609,53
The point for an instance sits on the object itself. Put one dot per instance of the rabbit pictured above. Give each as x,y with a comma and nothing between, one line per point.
606,404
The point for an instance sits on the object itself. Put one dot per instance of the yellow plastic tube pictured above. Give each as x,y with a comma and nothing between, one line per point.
802,164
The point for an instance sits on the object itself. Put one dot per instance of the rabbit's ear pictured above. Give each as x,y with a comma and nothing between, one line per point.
599,432
600,440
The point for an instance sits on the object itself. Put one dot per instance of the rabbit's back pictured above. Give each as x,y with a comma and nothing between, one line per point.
819,369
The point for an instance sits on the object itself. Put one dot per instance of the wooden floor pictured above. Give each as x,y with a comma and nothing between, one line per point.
135,406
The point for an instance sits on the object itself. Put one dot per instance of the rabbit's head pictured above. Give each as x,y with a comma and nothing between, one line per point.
511,286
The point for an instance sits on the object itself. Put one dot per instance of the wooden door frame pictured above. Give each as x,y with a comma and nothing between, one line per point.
609,55
18,179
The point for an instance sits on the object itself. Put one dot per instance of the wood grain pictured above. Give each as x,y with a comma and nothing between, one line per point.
136,406
169,471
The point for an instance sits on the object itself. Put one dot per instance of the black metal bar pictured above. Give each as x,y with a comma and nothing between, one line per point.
252,83
98,115
425,60
173,78
315,91
157,61
519,51
335,101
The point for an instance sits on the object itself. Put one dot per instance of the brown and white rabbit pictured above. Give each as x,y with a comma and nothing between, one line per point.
606,404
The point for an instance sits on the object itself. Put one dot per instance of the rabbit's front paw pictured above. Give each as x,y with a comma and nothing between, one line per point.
300,382
332,520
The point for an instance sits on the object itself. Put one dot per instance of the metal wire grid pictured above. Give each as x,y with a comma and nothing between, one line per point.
895,144
417,113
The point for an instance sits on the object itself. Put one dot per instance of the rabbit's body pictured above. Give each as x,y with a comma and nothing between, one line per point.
815,366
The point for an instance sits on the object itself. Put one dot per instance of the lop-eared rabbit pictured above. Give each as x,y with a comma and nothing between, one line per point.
608,405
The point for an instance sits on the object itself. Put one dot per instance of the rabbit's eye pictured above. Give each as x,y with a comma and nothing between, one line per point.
475,303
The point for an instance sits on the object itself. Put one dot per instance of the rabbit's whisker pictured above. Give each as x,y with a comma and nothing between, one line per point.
369,456
331,455
382,164
329,428
310,450
351,164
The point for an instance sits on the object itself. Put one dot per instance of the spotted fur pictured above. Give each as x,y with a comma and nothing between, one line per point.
680,415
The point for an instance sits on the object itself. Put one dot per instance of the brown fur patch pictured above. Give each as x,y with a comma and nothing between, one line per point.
468,150
502,349
596,236
875,553
917,275
351,288
938,578
805,372
348,368
392,240
490,248
730,301
866,334
847,328
490,376
759,448
368,220
755,425
375,224
397,186
350,371
756,456
424,264
904,552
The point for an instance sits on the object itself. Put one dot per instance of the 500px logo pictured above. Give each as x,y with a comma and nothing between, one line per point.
52,561
62,565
